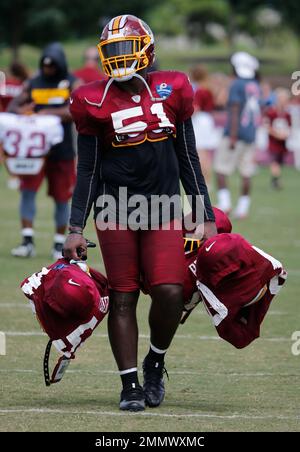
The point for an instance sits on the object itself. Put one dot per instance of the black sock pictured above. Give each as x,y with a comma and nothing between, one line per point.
130,380
27,239
276,181
154,356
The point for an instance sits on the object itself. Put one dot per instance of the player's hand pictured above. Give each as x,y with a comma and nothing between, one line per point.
45,111
2,155
26,109
75,247
232,143
206,230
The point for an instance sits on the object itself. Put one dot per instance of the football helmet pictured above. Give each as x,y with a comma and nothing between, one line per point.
191,244
126,46
69,300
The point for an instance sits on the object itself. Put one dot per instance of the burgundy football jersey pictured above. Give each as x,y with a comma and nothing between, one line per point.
281,122
237,282
68,302
126,119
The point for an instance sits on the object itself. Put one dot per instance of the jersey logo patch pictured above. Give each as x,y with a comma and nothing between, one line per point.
73,282
60,266
164,90
208,248
103,304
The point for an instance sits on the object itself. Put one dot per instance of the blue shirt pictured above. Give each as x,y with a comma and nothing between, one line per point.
245,93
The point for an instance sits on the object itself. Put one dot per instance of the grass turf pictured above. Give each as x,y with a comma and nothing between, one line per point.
212,386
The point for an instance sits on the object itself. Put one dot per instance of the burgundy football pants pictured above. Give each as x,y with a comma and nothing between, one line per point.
155,255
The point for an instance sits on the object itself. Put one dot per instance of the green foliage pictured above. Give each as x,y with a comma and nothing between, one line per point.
37,22
188,16
40,21
48,22
291,13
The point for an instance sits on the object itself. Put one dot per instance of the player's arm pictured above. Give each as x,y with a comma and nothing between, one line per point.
62,112
191,174
267,122
22,103
88,173
234,123
2,158
234,104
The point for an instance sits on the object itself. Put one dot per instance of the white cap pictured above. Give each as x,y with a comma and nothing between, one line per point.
244,64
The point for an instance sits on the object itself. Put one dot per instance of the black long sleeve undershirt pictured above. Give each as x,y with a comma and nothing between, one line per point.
191,174
88,175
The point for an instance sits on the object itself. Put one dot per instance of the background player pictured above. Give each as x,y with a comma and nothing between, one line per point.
48,93
26,140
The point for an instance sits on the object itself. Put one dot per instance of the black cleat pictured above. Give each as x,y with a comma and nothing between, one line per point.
154,387
132,399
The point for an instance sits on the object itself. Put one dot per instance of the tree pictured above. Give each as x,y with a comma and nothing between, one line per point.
40,21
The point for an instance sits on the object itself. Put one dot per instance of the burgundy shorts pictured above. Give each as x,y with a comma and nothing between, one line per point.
61,178
155,256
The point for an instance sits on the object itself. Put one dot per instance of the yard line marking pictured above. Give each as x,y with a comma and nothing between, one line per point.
25,371
146,336
25,333
277,313
14,305
295,271
173,372
19,305
147,414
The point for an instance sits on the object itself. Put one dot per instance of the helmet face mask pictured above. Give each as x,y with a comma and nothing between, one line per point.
126,47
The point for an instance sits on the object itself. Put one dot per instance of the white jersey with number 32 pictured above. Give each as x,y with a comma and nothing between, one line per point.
29,136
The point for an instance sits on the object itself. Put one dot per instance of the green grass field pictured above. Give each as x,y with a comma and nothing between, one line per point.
212,386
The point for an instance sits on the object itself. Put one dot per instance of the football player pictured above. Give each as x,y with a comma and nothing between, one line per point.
135,131
69,300
236,282
47,93
35,135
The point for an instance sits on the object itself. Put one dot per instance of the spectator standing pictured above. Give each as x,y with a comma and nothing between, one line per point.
279,125
90,72
203,122
17,75
237,149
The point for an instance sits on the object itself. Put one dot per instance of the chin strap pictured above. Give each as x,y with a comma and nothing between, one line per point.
59,369
95,104
110,81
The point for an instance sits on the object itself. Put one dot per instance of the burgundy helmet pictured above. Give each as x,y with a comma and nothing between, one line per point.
126,46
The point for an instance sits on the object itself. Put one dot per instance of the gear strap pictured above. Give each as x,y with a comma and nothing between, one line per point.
59,368
46,363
